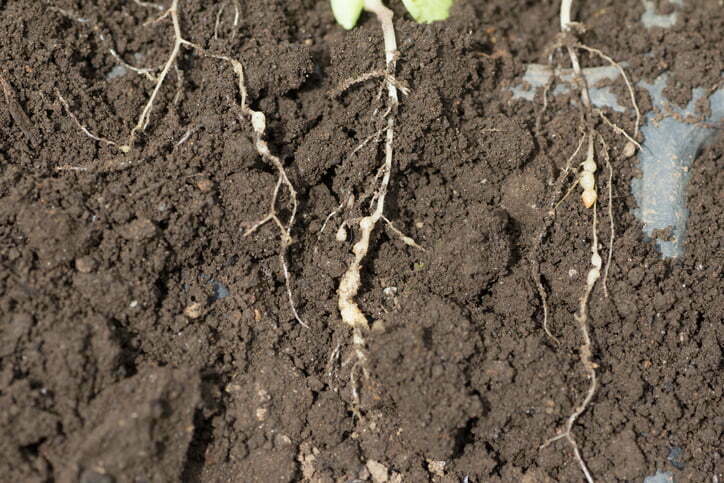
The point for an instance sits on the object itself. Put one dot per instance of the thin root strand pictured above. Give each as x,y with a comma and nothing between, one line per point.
84,129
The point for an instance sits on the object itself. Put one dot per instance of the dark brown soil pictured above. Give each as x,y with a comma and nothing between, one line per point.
105,377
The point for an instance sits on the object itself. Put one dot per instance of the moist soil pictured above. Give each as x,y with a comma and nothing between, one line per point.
144,338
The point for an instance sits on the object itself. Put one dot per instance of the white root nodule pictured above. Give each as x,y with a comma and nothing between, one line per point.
587,179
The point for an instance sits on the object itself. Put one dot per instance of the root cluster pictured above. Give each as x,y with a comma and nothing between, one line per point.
586,179
350,282
256,118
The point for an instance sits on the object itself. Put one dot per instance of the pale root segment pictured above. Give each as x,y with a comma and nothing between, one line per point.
587,181
145,117
258,124
350,283
256,118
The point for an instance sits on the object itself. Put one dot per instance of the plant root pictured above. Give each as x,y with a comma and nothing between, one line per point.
155,6
109,166
350,282
586,179
234,24
629,87
375,74
145,116
403,238
544,300
256,118
611,221
539,115
258,123
83,129
538,239
628,150
586,353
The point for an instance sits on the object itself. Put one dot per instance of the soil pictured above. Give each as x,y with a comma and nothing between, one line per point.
144,339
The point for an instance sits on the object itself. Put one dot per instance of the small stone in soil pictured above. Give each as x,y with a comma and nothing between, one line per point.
378,471
85,264
90,476
193,311
138,229
220,291
674,458
205,185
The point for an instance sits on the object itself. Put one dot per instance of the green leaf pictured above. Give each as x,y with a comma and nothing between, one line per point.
426,11
347,12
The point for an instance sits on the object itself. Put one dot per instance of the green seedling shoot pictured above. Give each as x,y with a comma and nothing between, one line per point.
347,12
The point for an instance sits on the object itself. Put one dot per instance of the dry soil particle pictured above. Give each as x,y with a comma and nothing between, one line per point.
122,359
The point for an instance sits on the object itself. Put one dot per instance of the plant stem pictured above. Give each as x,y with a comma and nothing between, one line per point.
565,14
350,283
384,15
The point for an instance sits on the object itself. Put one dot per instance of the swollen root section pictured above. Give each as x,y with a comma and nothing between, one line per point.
350,283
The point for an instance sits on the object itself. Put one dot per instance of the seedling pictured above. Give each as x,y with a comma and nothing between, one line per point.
586,179
347,13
